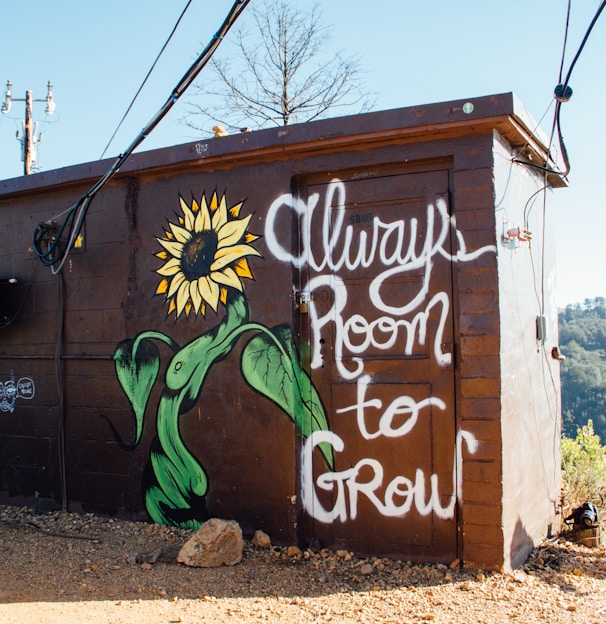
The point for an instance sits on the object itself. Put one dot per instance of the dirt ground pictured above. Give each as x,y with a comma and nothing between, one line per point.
70,568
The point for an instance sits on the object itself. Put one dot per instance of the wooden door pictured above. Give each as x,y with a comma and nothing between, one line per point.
376,320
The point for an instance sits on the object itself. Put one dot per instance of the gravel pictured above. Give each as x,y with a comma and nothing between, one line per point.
73,568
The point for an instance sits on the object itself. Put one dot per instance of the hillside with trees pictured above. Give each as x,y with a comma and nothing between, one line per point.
583,373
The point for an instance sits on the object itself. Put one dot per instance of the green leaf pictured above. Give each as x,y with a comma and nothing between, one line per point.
270,364
137,372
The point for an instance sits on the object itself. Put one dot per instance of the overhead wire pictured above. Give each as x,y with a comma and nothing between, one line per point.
151,69
56,252
563,91
562,94
565,42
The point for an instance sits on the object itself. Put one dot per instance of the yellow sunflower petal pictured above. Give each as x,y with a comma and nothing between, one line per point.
181,234
182,296
172,306
172,267
227,255
175,284
194,206
203,221
187,214
187,308
234,211
196,298
209,291
220,216
249,238
215,289
242,269
162,255
227,277
214,202
223,295
174,248
162,287
232,232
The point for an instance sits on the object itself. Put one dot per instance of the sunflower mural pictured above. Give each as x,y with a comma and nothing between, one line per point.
205,254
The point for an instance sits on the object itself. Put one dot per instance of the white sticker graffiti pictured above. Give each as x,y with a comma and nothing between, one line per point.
10,391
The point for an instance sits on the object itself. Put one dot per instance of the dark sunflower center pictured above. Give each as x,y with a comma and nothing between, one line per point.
198,254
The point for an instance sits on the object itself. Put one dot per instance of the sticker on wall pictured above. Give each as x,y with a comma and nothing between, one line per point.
205,254
12,390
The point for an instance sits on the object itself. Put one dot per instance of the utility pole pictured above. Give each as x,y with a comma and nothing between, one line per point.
28,140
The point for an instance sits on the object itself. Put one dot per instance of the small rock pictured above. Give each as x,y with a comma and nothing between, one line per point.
293,551
216,543
519,577
261,540
455,564
148,557
146,566
366,569
341,554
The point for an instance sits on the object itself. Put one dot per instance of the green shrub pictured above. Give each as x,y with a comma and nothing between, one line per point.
584,469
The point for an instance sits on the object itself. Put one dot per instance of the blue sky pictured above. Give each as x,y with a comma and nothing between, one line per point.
97,54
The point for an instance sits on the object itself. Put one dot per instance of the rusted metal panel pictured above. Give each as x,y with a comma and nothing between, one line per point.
298,328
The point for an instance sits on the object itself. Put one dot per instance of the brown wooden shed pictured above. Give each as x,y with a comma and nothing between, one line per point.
339,331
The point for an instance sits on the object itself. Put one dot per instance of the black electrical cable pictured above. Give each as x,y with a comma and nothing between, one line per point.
151,69
55,254
563,92
566,28
61,394
583,42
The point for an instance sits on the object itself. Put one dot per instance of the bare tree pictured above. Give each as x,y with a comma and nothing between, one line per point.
279,74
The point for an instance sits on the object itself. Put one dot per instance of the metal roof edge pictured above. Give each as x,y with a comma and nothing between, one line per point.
503,111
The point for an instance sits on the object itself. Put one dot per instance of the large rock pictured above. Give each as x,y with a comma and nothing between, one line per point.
216,543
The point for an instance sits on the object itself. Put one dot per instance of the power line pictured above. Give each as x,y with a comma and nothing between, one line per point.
48,239
151,69
563,92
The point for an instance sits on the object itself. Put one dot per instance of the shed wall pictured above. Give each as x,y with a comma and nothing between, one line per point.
149,403
530,380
